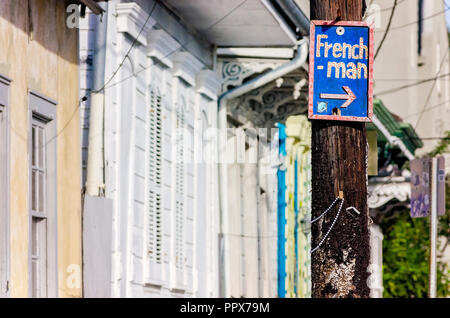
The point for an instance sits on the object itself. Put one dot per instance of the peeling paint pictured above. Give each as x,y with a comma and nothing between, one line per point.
47,64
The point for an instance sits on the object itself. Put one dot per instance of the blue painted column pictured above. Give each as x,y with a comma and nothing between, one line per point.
296,225
281,214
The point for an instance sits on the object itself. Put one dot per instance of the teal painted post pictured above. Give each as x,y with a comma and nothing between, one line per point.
281,214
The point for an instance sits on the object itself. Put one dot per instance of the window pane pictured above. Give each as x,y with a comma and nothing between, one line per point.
34,237
41,192
43,258
35,278
33,145
39,257
33,190
41,147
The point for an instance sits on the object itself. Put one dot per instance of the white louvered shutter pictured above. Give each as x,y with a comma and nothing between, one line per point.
154,166
179,194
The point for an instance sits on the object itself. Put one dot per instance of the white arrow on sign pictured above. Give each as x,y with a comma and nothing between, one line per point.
350,97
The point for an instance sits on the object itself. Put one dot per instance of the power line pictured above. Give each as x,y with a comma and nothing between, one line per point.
387,9
25,139
420,82
431,90
415,22
402,79
421,114
183,45
84,98
129,50
387,29
428,108
396,89
112,76
431,138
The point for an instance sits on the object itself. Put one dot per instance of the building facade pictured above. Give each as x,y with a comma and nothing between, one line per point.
40,183
188,191
418,91
171,229
161,148
163,195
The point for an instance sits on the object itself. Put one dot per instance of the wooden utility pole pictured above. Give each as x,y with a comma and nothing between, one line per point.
339,163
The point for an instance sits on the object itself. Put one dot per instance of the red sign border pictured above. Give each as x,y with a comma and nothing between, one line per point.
312,46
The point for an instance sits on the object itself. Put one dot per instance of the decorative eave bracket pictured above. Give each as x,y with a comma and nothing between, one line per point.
208,84
186,66
162,47
131,19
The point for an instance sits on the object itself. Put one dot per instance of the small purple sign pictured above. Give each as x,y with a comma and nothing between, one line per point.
421,178
420,187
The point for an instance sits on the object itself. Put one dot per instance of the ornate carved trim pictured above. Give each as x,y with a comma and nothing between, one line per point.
234,73
273,102
131,18
381,194
266,105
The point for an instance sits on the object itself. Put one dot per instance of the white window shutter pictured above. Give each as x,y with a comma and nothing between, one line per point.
154,213
180,208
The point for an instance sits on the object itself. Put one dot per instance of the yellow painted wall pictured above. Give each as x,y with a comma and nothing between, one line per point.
298,262
40,53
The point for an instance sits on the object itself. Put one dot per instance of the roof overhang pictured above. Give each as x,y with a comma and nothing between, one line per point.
93,5
237,23
396,133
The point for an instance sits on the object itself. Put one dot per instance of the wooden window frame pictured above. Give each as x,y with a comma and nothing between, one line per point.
42,112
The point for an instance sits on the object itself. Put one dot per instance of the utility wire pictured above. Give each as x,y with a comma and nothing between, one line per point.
403,79
183,45
102,88
396,89
387,30
387,9
420,82
83,99
431,90
431,138
428,108
129,50
415,22
421,114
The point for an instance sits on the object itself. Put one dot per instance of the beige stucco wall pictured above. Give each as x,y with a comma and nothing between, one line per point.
398,64
45,61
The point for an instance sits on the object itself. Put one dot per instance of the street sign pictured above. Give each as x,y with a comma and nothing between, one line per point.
420,187
421,178
440,186
340,71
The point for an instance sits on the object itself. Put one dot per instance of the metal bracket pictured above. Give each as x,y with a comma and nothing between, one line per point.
352,208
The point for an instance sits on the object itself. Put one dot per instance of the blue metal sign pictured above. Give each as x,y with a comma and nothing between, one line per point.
340,74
